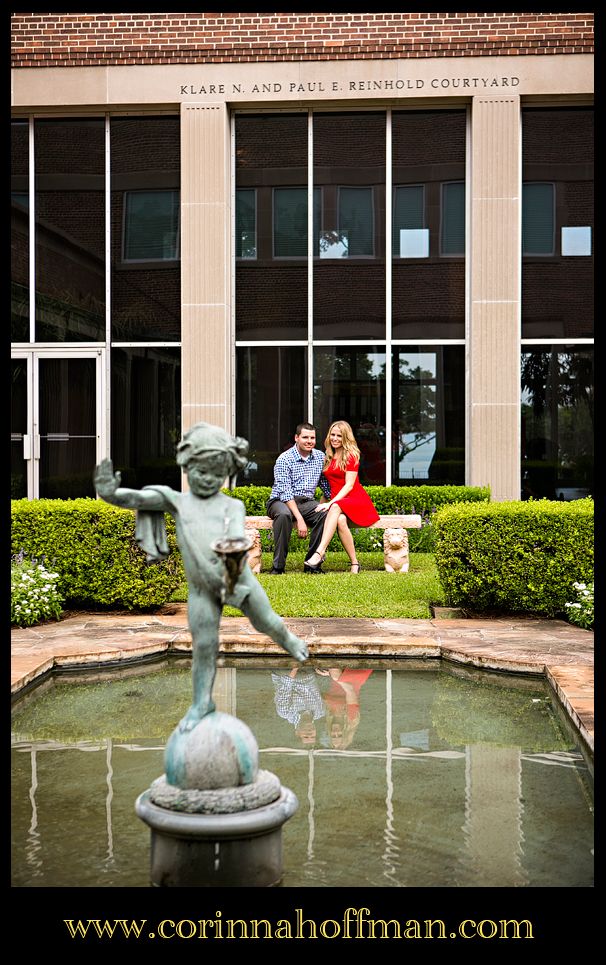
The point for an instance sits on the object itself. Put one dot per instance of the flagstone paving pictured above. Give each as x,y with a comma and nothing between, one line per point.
554,648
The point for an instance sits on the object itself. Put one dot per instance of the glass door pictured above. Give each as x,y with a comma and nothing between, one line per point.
57,425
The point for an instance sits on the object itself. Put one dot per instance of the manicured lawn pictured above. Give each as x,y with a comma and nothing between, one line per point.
337,593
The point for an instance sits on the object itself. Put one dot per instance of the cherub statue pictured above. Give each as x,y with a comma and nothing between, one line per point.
204,517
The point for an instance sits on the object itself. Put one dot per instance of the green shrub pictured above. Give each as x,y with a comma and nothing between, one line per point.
34,593
92,546
520,557
388,500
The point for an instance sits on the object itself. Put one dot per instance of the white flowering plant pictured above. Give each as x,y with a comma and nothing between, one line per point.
580,611
34,593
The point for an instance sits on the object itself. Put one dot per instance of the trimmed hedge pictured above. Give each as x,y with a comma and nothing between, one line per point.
388,500
91,544
519,557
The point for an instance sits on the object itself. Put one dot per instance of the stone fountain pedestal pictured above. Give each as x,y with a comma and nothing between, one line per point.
215,818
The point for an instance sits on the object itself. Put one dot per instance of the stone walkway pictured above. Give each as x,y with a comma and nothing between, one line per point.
560,651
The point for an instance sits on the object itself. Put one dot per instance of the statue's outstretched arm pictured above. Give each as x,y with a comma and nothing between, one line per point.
107,484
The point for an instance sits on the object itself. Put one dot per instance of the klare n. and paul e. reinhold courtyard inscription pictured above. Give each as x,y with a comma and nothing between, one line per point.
354,86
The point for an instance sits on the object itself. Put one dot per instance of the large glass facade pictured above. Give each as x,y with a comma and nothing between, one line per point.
146,415
428,224
145,229
349,384
59,384
20,231
428,402
322,280
70,229
271,226
349,247
557,223
557,421
270,402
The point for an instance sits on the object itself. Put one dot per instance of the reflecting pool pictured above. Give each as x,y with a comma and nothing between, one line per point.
408,774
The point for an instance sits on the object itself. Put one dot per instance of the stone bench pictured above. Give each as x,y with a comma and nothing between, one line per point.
395,539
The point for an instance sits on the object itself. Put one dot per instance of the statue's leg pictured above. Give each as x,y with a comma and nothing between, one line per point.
259,611
204,615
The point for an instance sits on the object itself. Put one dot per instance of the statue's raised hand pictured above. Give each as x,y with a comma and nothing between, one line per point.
106,480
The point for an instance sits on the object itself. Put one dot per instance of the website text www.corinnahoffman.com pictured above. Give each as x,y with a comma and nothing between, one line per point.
354,923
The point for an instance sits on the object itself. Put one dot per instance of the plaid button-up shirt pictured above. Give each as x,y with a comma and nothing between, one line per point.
296,476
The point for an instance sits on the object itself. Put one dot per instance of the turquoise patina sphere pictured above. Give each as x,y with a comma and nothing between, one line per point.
220,751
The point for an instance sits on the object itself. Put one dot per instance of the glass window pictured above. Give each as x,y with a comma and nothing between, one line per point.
557,421
349,384
410,237
349,254
145,268
538,227
271,401
271,288
290,221
356,220
428,385
146,415
70,229
452,238
151,226
246,223
558,175
428,170
19,231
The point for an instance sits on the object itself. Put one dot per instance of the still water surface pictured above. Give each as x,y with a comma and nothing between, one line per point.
410,774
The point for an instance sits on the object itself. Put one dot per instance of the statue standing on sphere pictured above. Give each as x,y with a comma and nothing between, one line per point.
205,518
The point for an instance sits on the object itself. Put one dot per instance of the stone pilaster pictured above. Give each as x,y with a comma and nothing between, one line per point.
493,337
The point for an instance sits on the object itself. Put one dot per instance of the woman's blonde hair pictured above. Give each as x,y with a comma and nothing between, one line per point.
349,445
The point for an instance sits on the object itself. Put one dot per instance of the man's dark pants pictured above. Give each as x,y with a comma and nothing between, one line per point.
283,521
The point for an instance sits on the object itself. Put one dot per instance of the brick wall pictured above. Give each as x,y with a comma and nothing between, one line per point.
97,39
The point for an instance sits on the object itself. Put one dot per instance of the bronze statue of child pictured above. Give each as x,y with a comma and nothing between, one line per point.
203,516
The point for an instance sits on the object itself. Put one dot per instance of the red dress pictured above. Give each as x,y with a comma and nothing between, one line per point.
357,505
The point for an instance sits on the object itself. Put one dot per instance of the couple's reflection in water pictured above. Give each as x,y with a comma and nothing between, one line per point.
322,705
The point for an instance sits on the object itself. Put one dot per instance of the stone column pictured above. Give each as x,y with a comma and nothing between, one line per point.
205,265
493,338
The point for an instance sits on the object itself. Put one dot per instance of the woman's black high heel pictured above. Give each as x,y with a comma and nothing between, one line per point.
311,568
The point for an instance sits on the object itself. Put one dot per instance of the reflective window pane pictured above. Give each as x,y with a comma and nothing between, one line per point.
146,415
151,226
271,400
538,227
428,274
246,223
557,422
452,239
349,384
68,427
271,278
19,428
428,385
349,256
145,266
557,170
70,229
19,231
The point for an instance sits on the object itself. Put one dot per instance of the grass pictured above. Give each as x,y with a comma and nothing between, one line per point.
338,593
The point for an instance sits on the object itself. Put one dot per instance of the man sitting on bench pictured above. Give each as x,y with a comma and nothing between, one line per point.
297,474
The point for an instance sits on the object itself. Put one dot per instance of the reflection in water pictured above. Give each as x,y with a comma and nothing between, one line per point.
108,803
391,852
456,778
33,846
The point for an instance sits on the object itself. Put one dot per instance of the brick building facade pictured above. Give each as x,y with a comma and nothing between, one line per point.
255,218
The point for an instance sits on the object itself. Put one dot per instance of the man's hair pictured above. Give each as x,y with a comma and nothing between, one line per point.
304,425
